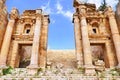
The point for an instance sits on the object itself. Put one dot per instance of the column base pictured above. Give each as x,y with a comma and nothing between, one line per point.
79,64
90,70
3,66
32,70
118,66
32,66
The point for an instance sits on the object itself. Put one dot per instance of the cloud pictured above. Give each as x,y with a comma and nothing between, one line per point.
46,8
112,3
66,13
97,2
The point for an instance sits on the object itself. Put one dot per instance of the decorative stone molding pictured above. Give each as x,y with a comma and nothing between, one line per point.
26,20
22,37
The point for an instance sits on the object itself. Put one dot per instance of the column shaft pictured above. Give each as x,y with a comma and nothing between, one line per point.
86,43
43,55
116,36
78,43
35,46
6,43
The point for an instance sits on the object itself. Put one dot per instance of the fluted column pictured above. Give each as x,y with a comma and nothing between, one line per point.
43,55
78,43
36,41
6,42
115,32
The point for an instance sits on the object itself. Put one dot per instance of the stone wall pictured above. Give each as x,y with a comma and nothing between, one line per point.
3,21
65,57
118,15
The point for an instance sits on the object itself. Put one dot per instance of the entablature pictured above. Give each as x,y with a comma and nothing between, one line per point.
22,37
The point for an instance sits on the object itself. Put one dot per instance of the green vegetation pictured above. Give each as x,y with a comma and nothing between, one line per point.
7,70
103,6
81,69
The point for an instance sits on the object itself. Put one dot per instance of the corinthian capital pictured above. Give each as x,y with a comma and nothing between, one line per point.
14,14
76,19
82,12
109,12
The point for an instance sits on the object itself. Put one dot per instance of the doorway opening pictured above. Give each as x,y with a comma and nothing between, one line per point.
99,54
25,51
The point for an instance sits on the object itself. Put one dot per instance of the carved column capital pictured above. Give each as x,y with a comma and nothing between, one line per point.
76,19
46,18
38,16
109,12
14,14
82,12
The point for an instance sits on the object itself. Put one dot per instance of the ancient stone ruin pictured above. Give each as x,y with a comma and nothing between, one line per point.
23,45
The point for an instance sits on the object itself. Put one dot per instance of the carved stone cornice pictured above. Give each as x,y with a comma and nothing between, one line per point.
26,20
19,37
29,13
99,36
46,18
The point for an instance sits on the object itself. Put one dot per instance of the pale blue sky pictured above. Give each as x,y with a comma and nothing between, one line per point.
61,30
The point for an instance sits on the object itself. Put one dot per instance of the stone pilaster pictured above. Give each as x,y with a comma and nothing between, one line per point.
14,55
115,33
36,41
43,55
78,43
110,55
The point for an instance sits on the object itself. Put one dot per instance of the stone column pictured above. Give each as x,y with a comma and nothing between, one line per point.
78,43
36,41
7,38
6,43
43,55
89,68
115,32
